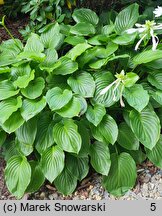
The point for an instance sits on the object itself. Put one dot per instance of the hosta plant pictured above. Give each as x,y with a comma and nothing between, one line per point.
79,97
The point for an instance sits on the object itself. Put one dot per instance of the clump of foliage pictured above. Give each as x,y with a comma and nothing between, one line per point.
42,12
79,96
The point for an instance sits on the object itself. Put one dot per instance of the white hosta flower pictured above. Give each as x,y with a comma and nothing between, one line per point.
146,31
116,84
158,11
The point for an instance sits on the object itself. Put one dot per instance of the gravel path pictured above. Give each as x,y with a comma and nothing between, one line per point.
148,186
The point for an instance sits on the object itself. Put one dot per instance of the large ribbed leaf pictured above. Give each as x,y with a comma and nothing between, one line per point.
147,56
52,162
65,134
58,98
106,131
65,182
44,137
155,155
126,18
7,107
9,50
51,37
73,108
34,44
30,108
27,132
34,89
126,138
66,66
100,157
157,96
50,60
2,137
85,136
102,80
17,175
77,50
7,89
83,28
37,177
13,122
136,97
122,175
146,126
23,81
155,78
85,15
78,166
95,114
82,83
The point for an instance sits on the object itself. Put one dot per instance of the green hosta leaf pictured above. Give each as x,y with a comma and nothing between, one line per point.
82,83
58,98
84,133
126,138
51,37
98,40
7,89
9,106
65,182
21,70
78,166
99,63
136,97
10,50
102,80
37,177
31,55
147,56
83,104
27,132
10,149
77,51
50,60
34,89
2,137
83,28
23,148
31,108
95,114
155,78
34,44
67,67
130,79
52,162
65,134
126,18
155,155
13,122
44,137
17,175
139,156
4,70
23,81
73,108
100,157
74,40
125,39
85,15
146,126
157,96
122,175
106,131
